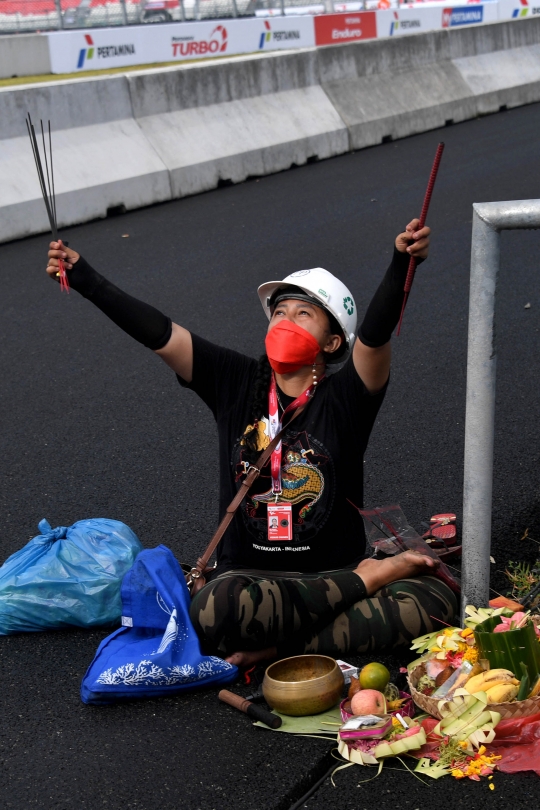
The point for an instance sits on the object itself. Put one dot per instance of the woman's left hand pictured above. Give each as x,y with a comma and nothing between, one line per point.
414,241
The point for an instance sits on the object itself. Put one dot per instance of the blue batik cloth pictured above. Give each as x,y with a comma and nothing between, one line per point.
156,652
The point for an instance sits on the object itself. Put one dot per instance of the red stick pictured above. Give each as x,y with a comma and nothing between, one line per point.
427,199
64,283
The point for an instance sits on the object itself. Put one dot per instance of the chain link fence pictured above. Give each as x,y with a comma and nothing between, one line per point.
20,16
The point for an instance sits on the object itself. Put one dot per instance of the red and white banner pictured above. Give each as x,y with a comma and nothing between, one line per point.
334,29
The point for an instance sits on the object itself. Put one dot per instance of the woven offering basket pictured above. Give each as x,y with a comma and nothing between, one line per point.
508,711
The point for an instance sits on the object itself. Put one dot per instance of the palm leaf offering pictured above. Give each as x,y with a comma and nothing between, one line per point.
313,725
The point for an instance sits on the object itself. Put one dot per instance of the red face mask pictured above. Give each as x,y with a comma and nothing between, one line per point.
289,347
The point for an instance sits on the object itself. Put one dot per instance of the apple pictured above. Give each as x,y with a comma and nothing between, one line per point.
368,701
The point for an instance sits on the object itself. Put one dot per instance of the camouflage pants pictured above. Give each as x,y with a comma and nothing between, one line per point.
327,613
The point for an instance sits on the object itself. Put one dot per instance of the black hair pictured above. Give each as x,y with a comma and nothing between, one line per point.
335,329
259,406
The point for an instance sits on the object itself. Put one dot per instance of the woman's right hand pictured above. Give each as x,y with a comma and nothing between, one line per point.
57,250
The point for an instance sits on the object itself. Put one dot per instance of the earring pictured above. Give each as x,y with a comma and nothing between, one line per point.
314,371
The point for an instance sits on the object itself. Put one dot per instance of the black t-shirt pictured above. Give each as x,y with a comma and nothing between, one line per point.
322,465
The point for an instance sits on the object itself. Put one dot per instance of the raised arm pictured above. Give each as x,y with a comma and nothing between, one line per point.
144,323
372,351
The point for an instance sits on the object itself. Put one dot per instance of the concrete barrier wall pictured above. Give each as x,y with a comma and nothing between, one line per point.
155,135
101,157
460,74
251,116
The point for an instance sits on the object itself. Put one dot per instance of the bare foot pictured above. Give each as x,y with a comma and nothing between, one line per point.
249,659
375,574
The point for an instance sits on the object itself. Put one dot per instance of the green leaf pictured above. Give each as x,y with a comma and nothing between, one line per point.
524,687
311,725
423,643
418,661
433,769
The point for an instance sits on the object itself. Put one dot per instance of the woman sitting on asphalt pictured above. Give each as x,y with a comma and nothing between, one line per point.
301,514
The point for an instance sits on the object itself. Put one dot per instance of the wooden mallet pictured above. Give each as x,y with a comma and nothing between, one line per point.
255,712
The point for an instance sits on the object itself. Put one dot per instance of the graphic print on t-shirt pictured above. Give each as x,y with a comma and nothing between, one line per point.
300,481
308,486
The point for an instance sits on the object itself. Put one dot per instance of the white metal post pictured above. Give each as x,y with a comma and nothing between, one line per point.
488,220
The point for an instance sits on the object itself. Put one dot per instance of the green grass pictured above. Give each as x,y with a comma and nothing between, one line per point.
55,77
523,576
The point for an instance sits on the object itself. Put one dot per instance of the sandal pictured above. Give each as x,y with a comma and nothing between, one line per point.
442,531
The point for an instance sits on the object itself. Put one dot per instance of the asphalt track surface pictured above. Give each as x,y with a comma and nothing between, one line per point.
94,425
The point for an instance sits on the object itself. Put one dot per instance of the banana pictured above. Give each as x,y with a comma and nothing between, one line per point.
502,693
493,677
496,674
487,686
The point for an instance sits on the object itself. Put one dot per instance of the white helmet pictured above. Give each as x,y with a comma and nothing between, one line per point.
325,290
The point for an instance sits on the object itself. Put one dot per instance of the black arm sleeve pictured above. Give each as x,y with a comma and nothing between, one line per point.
141,321
383,313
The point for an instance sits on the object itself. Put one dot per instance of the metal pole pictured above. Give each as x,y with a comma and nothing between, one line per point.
479,414
488,220
282,8
59,12
234,9
124,12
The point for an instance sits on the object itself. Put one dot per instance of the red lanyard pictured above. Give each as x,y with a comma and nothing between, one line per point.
275,426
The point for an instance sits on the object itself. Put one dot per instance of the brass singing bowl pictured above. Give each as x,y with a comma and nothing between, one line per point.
302,685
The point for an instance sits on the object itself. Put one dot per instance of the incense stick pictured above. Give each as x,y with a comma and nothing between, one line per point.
460,572
403,545
427,199
52,173
46,183
41,176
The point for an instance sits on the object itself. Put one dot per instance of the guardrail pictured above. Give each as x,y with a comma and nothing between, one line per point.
20,16
24,16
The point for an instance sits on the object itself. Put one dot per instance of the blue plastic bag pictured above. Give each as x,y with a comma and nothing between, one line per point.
157,651
69,576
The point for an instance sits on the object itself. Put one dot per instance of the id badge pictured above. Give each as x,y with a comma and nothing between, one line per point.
279,521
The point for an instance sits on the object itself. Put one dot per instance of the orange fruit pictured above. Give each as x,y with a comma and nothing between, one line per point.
374,676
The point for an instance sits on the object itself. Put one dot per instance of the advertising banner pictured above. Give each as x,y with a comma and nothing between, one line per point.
102,48
282,33
394,23
469,15
518,9
73,51
331,29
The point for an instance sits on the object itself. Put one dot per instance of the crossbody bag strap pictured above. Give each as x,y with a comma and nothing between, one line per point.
252,474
